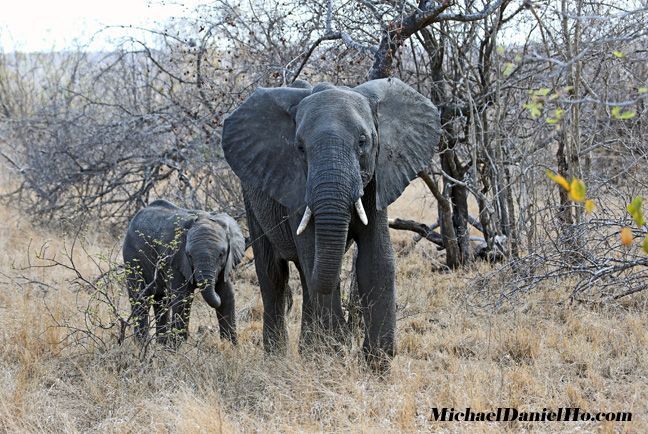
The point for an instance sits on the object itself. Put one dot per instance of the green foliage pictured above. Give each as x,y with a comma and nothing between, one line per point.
535,108
625,115
634,208
557,116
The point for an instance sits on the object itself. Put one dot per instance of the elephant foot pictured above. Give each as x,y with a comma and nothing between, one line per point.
275,351
378,359
275,346
172,341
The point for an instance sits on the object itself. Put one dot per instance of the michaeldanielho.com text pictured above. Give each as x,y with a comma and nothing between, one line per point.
508,414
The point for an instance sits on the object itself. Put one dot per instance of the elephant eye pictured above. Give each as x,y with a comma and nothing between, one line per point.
362,141
300,146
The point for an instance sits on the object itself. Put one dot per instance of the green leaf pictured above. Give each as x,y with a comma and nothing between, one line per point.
618,114
543,91
557,116
644,246
618,54
535,108
508,69
642,89
634,208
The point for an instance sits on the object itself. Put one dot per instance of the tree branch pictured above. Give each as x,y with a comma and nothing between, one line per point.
420,228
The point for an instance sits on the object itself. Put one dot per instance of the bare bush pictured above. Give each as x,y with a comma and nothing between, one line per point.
522,87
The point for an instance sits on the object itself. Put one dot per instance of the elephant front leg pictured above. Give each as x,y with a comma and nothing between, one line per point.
180,313
323,320
161,311
273,280
139,300
226,313
307,316
272,272
140,317
376,276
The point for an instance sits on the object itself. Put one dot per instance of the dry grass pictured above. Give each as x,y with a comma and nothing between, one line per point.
530,353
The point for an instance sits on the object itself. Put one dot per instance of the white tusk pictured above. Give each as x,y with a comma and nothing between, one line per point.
304,221
361,212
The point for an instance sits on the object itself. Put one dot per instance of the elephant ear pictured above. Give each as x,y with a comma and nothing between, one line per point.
409,129
258,143
235,239
182,260
300,84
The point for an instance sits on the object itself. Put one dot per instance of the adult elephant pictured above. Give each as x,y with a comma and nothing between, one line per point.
337,157
169,252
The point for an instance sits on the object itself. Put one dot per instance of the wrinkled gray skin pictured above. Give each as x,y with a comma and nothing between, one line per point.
169,252
325,147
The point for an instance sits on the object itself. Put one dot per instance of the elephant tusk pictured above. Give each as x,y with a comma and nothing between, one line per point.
361,212
304,221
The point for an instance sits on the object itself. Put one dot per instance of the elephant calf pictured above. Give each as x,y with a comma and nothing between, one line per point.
171,251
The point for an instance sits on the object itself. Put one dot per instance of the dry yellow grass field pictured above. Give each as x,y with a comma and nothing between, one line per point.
454,350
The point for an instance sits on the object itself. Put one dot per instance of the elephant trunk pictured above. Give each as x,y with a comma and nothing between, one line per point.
331,227
207,284
210,296
334,185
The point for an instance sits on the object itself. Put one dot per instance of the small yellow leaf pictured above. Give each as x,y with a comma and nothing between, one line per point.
644,246
618,54
642,89
589,206
543,91
626,236
577,190
558,179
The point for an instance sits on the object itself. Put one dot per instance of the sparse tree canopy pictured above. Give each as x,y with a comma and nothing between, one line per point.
522,87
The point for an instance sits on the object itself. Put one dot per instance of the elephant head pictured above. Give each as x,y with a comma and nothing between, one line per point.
214,246
317,149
